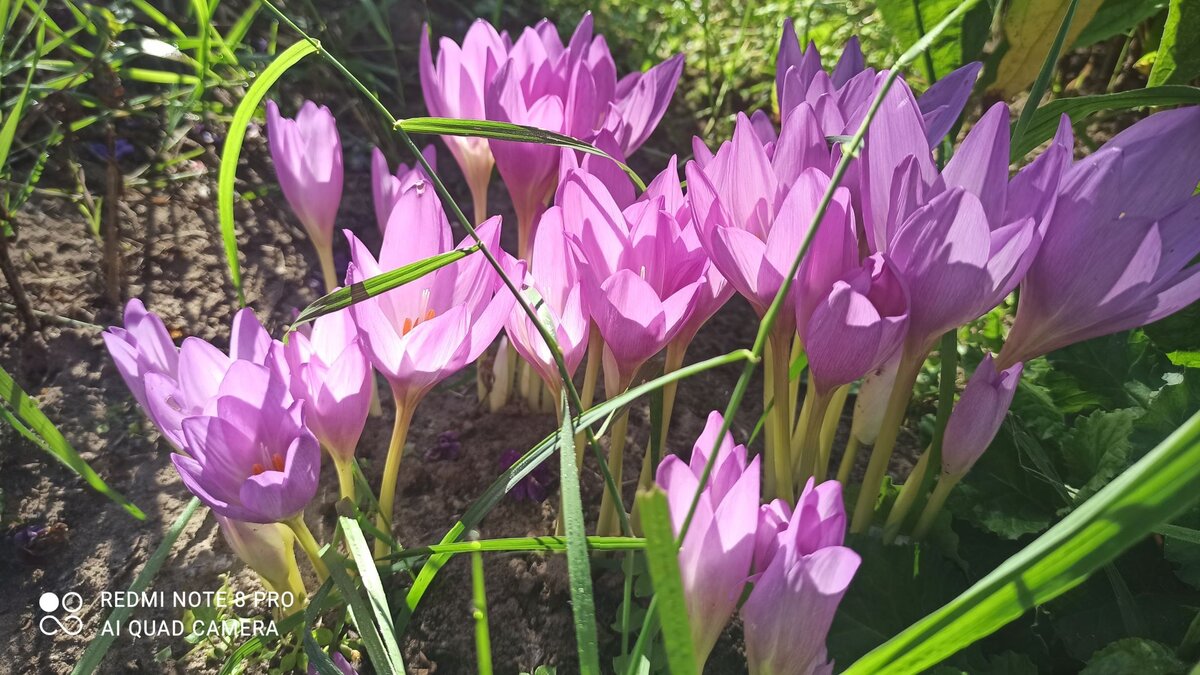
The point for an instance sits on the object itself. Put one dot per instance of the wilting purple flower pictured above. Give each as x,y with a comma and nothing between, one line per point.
977,415
858,325
640,280
266,549
753,211
307,155
840,98
422,332
249,455
961,239
534,487
329,370
715,557
142,346
386,187
1119,251
455,87
36,541
446,448
805,569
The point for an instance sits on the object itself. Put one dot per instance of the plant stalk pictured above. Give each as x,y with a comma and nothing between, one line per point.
889,430
607,525
328,271
907,497
345,475
391,470
307,542
833,417
848,458
934,506
782,411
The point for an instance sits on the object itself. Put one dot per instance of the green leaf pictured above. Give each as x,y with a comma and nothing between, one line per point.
1003,494
99,645
23,415
1098,448
583,606
375,636
1134,655
1045,120
1151,492
232,150
1115,17
958,44
378,284
1177,332
369,576
1178,57
662,559
1181,547
895,585
504,131
1185,359
1021,51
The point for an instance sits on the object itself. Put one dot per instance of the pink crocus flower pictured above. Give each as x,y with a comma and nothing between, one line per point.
553,289
329,370
806,569
1121,247
307,155
386,186
143,346
422,332
639,278
840,98
455,87
714,560
977,415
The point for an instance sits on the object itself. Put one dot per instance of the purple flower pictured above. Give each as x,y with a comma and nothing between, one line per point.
386,187
339,661
805,569
307,154
1119,251
266,549
977,415
142,346
446,448
715,557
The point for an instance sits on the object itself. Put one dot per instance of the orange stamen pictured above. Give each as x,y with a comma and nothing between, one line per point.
408,325
277,460
256,469
429,315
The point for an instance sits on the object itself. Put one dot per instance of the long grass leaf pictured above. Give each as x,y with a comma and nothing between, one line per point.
504,131
233,150
579,569
369,575
1151,492
19,410
662,558
360,613
100,645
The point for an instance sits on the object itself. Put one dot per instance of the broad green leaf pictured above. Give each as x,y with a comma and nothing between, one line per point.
233,150
1151,492
1003,494
662,559
378,284
504,131
583,606
374,635
1030,27
369,576
1178,57
99,645
1134,655
1045,120
1181,546
1177,332
960,43
1098,448
24,416
1115,17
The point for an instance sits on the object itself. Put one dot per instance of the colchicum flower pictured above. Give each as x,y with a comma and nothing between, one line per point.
386,187
307,155
330,372
804,568
977,416
420,333
143,346
455,87
714,560
1121,247
269,551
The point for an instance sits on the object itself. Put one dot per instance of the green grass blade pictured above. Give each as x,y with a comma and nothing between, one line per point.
1044,75
9,131
1136,503
1045,121
99,646
20,411
1178,532
369,575
583,605
317,658
662,557
533,458
360,613
521,545
233,150
504,131
380,283
483,638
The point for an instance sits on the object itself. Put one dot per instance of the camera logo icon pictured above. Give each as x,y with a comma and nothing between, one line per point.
70,624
